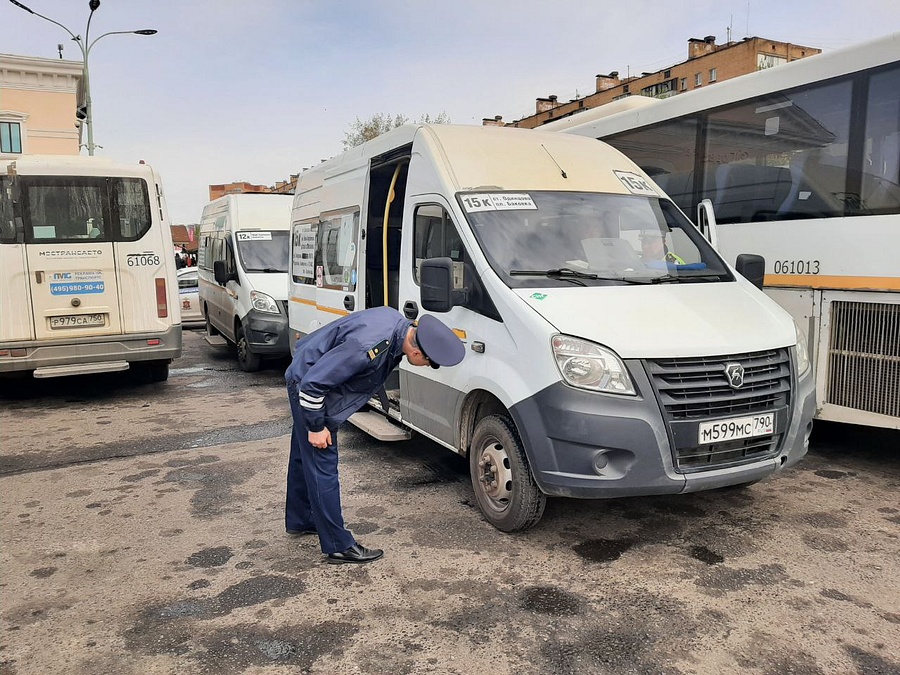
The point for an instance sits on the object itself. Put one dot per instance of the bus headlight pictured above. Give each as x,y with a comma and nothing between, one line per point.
801,351
589,366
263,303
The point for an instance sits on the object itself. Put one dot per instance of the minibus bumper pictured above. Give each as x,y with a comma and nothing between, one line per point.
91,354
267,333
595,446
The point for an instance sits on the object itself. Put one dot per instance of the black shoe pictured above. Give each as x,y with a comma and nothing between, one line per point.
300,533
355,554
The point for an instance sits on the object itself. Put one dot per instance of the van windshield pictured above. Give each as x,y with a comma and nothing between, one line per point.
563,238
261,251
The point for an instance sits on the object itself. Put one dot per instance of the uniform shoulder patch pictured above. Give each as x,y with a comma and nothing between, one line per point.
378,349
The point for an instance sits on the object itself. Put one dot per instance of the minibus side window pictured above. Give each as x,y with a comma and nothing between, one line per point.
436,237
133,207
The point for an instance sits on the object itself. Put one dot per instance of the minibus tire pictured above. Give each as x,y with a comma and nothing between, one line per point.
147,372
513,502
247,360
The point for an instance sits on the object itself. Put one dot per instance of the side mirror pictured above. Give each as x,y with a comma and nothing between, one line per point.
752,267
436,280
706,222
222,276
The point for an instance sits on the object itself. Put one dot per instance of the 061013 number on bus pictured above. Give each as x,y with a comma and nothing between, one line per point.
796,267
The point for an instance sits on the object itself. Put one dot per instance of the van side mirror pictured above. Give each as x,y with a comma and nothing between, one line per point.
706,222
222,276
436,281
752,267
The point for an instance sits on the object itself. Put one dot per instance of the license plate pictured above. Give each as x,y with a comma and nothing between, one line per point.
77,320
736,428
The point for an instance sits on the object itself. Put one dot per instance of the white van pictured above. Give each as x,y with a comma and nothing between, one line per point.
87,274
611,351
243,265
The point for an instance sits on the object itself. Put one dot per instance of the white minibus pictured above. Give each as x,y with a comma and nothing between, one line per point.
610,350
243,264
87,275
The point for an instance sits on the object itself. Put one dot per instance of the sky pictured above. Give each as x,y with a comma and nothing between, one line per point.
257,90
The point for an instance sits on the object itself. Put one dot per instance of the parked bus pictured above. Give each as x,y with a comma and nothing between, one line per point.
87,274
610,351
801,164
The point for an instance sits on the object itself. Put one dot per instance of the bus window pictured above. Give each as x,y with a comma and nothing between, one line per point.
7,220
64,209
779,156
881,161
133,208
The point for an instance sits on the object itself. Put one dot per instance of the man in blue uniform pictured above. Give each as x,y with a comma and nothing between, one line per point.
335,370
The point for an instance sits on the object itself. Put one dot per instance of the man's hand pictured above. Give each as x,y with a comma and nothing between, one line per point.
320,439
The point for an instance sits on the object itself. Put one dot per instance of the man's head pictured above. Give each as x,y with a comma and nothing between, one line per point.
431,343
653,245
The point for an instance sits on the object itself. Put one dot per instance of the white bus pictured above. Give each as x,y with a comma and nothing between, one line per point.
87,272
801,164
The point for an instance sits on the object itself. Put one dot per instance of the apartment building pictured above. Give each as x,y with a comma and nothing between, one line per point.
38,98
707,63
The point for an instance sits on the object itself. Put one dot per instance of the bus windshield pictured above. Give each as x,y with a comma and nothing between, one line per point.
564,238
264,251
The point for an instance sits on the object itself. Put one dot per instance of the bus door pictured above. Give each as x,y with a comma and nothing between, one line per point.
15,306
71,271
302,313
338,291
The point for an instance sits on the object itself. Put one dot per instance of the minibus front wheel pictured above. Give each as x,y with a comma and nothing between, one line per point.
504,488
247,360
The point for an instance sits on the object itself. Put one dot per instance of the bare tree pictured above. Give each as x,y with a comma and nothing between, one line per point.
365,130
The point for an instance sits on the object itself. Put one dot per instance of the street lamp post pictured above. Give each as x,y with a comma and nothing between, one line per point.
85,47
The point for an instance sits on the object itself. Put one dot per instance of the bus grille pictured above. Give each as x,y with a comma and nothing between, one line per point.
693,390
864,357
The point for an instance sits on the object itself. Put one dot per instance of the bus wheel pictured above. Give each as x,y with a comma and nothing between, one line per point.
504,488
247,360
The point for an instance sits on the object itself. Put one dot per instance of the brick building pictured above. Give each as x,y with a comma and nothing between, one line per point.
707,63
284,187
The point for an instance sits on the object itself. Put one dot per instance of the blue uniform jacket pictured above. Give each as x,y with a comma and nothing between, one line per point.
339,366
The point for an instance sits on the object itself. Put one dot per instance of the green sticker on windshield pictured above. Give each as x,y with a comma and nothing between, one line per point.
539,296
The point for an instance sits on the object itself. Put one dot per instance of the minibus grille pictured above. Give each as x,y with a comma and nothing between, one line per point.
864,357
696,389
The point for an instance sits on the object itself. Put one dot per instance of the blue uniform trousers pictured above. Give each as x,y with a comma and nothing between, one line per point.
313,489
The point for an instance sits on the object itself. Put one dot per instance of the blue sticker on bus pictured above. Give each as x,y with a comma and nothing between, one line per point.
75,288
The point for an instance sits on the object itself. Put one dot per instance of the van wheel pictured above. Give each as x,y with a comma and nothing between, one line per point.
504,488
247,360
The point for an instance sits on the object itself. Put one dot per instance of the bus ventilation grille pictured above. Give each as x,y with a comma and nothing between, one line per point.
864,357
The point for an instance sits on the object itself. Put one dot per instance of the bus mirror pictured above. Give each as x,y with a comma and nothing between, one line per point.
436,280
706,222
752,267
222,276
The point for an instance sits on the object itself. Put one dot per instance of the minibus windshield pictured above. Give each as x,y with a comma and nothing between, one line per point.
262,251
577,238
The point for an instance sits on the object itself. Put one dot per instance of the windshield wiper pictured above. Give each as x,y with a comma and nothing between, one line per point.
267,270
557,273
572,275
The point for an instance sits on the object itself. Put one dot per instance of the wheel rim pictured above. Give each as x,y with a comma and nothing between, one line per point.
494,475
242,348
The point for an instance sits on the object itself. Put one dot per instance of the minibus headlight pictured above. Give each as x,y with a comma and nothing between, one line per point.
801,352
589,366
263,303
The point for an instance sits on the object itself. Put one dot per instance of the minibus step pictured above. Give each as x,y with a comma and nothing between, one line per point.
215,340
379,427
